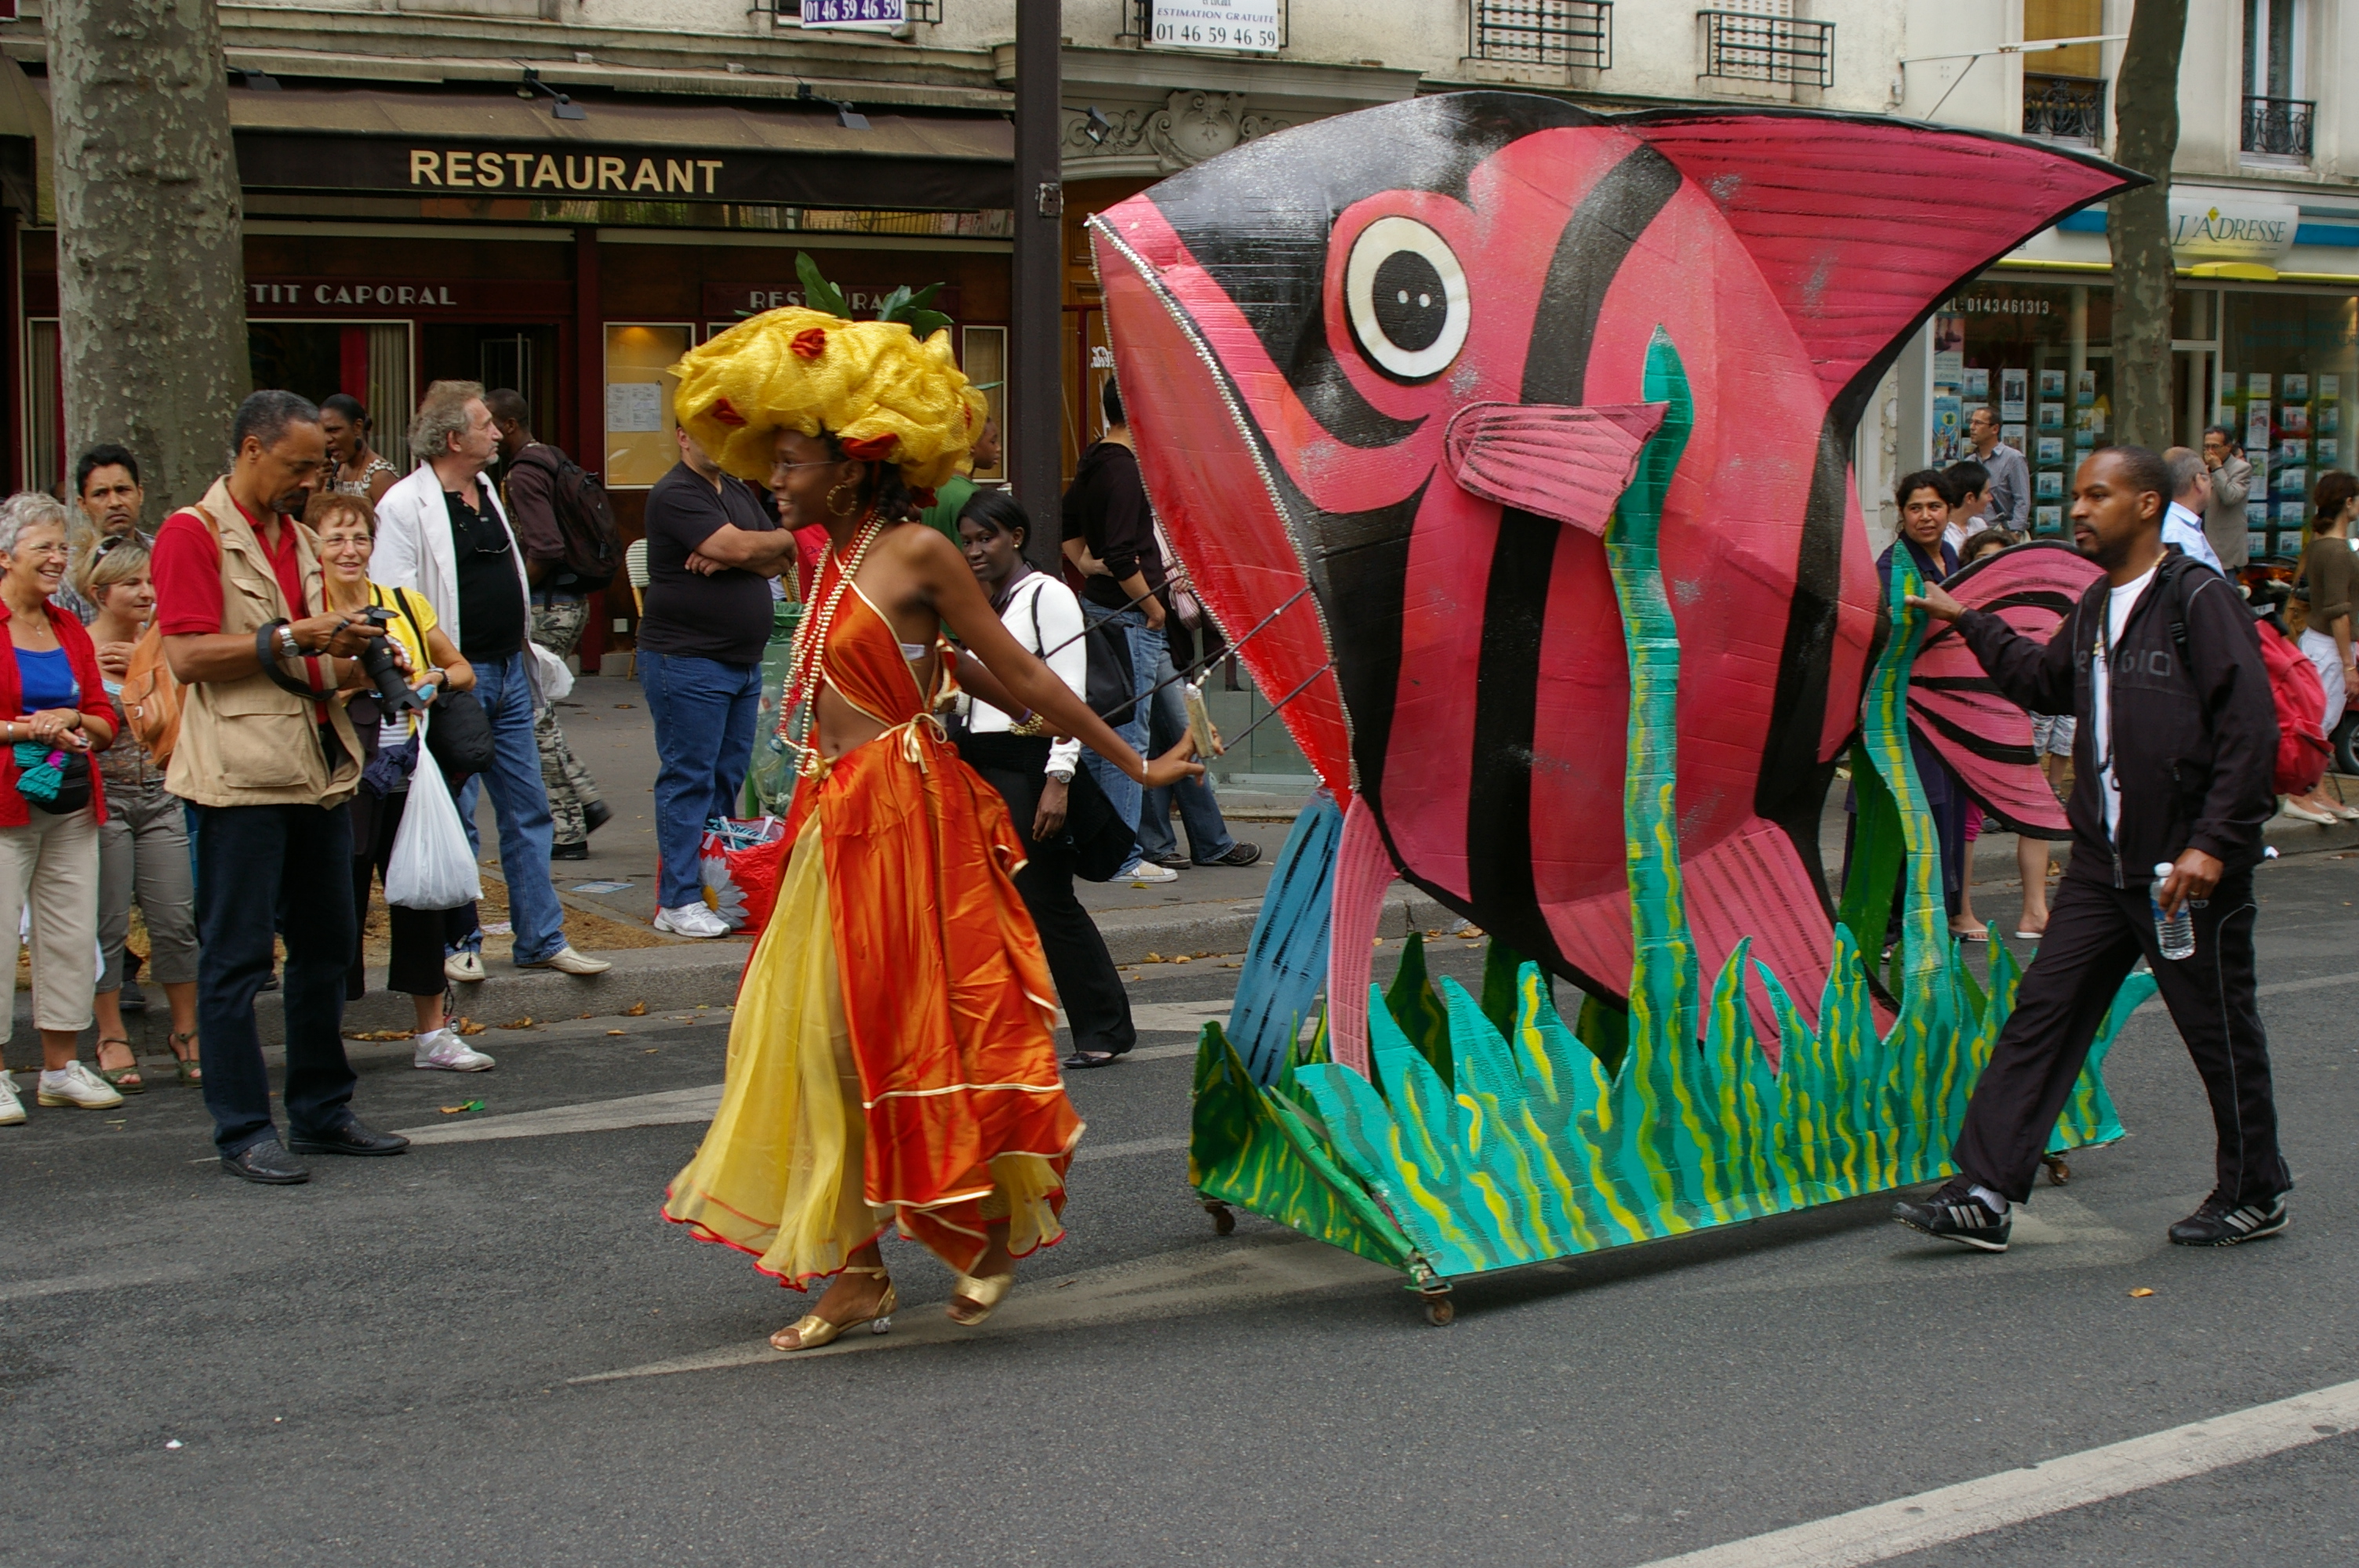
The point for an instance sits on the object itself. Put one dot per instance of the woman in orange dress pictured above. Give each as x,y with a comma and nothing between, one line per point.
891,1060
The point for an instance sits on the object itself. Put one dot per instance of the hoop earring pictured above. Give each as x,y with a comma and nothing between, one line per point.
848,489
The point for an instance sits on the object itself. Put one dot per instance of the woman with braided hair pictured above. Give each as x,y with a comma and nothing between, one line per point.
891,1062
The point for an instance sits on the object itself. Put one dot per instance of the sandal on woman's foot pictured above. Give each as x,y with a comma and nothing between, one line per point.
811,1331
1970,933
123,1080
184,1057
985,1293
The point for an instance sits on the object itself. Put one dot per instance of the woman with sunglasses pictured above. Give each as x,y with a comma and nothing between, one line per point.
344,527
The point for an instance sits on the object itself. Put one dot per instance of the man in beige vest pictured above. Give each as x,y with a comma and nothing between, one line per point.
267,761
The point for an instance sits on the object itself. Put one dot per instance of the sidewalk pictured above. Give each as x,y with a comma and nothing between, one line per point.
1207,910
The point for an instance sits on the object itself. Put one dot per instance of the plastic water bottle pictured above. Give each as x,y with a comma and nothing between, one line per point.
2175,933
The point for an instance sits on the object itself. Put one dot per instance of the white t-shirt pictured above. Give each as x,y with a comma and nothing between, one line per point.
1059,616
2119,604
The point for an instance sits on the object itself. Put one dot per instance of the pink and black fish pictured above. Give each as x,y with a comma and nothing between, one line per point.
1396,357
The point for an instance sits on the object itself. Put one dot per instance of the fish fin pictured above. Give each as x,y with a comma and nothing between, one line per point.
1363,870
1862,224
1956,709
1194,439
1754,884
1287,958
1571,464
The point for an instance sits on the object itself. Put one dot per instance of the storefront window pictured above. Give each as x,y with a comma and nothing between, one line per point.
984,357
639,447
2039,355
2287,363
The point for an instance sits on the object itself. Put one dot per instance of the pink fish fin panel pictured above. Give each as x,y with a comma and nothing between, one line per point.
1193,441
1861,225
1363,870
1572,464
1984,738
1753,884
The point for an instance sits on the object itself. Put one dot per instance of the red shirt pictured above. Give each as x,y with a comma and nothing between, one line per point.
186,565
81,655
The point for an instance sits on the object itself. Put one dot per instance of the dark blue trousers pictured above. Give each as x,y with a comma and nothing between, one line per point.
258,865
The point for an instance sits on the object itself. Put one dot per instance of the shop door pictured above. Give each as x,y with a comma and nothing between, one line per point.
521,357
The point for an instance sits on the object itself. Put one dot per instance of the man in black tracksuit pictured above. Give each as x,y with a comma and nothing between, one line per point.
2173,763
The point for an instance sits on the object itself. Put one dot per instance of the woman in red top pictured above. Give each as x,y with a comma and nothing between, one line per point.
56,713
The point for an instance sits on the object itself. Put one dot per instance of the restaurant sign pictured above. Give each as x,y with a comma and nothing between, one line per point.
358,298
573,171
732,301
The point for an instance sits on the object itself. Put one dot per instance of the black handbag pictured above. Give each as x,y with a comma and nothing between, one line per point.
459,733
1110,690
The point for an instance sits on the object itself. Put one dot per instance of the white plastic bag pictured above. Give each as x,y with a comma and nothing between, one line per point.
431,866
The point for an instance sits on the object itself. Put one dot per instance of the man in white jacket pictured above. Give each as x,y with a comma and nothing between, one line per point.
441,534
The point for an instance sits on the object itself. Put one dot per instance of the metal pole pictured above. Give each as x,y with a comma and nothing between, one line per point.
1036,378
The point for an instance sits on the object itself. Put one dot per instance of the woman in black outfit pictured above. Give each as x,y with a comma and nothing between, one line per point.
1046,794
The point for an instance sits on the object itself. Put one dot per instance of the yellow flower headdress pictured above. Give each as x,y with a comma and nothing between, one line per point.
884,392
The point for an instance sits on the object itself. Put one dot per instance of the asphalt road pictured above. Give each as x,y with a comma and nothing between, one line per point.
390,1365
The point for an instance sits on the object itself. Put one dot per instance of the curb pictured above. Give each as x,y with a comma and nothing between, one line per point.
683,975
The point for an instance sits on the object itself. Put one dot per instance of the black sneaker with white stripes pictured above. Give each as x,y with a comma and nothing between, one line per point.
2220,1222
1954,1214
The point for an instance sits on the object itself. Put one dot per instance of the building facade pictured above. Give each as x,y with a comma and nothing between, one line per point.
561,195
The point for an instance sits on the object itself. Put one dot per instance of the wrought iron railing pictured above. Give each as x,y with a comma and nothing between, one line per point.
2064,108
1542,32
1744,46
2278,126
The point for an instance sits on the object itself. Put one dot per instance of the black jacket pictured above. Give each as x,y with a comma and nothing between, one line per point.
2195,749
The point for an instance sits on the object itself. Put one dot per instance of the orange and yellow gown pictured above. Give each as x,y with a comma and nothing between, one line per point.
892,1059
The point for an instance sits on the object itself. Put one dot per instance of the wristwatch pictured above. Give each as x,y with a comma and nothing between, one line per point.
1062,775
288,648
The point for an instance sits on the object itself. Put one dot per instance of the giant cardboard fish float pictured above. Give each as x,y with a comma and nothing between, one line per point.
1523,436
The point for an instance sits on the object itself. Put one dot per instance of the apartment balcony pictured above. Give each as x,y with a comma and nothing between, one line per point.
1741,46
2279,127
1560,33
2064,108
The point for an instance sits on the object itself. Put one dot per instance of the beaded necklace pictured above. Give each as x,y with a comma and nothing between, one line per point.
811,648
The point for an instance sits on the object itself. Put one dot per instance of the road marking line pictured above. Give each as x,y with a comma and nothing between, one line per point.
594,1116
1172,1284
1975,1507
115,1279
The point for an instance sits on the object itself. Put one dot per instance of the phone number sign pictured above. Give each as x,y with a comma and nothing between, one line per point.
1219,24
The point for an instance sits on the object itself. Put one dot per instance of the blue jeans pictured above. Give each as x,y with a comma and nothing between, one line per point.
1146,646
705,711
1199,809
520,804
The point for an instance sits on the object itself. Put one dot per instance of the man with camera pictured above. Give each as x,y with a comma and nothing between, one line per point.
267,761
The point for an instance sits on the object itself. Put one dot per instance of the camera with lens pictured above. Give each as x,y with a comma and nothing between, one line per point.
394,692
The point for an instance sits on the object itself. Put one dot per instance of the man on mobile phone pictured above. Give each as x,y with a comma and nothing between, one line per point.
2177,739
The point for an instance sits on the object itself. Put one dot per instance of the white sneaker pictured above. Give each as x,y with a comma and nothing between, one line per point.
1148,871
12,1109
77,1086
464,965
565,960
691,920
444,1052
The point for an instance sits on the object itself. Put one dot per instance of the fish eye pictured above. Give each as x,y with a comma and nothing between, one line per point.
1406,296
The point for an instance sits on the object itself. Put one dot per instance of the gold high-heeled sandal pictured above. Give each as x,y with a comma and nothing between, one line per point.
811,1331
987,1291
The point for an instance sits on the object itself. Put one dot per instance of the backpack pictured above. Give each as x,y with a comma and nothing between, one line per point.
2298,696
594,546
151,692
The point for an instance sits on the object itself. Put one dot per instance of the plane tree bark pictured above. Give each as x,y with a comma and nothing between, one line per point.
2137,223
151,269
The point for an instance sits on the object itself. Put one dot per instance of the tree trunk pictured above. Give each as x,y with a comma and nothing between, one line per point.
151,266
2137,223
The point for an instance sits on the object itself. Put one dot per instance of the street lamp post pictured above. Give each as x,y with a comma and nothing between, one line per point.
1034,399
